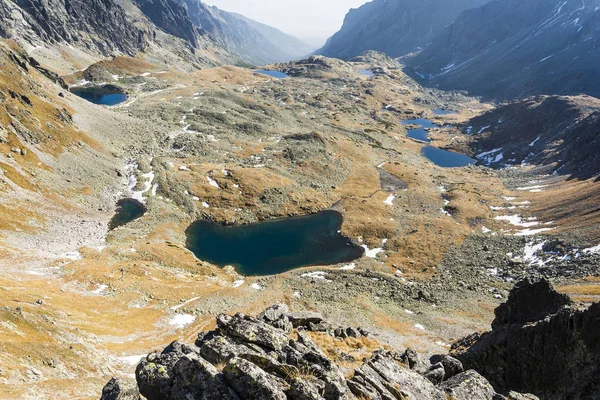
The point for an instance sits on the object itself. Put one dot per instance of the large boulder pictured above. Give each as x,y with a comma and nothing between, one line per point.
250,358
251,382
196,378
392,381
155,374
468,385
120,389
555,356
253,331
529,301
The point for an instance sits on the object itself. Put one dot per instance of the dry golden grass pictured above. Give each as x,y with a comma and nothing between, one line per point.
586,290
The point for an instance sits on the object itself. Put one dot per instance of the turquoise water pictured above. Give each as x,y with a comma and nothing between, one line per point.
275,246
419,133
366,72
445,158
108,96
274,74
127,211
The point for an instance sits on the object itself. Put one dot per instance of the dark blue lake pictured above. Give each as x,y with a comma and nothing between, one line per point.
419,133
127,211
275,246
104,95
274,74
445,158
366,72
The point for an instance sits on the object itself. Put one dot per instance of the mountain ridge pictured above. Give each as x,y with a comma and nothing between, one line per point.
510,49
393,27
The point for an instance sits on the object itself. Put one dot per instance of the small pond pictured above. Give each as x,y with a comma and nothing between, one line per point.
444,112
274,74
107,95
127,211
366,72
275,246
419,133
445,158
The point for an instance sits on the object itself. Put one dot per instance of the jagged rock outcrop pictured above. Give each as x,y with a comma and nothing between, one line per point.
539,344
101,26
172,17
393,27
274,357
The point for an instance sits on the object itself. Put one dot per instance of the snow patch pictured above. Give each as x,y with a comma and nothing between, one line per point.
181,320
371,253
315,275
348,267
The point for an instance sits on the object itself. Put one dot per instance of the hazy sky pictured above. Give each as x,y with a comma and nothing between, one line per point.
302,18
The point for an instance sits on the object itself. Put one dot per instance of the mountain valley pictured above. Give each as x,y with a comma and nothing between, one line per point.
98,199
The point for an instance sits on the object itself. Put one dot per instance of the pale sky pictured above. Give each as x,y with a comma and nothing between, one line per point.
306,19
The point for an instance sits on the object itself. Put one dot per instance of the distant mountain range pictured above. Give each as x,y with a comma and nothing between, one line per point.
514,48
252,41
395,27
496,49
163,29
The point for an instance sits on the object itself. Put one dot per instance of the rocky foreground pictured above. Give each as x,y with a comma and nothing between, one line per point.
539,342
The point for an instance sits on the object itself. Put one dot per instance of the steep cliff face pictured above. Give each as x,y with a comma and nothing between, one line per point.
394,27
553,353
253,42
172,17
101,26
515,48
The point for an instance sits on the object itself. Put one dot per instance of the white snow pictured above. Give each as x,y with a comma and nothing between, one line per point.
390,200
535,141
348,267
132,360
177,307
371,253
419,326
530,232
72,255
516,220
483,129
181,320
533,189
485,230
315,275
205,204
256,286
530,253
101,288
212,182
239,283
487,153
592,250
